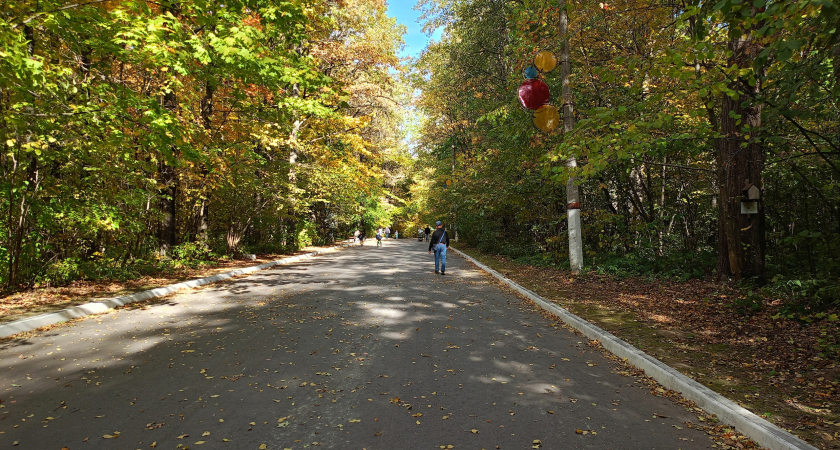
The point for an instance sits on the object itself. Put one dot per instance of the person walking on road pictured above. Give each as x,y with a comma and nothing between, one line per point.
379,238
387,232
439,243
356,235
427,232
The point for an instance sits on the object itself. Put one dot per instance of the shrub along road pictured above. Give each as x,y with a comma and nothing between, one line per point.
362,348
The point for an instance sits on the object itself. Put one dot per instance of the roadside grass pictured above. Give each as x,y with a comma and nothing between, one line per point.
775,367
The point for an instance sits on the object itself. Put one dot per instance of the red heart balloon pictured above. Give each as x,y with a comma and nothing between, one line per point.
533,93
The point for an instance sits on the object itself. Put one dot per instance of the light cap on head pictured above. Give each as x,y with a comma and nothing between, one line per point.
438,223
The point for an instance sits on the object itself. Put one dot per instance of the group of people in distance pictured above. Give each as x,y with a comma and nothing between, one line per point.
438,242
359,235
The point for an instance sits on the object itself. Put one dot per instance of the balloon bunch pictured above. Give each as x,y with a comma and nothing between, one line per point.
534,94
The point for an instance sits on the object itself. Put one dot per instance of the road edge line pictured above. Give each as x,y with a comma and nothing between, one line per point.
763,432
42,320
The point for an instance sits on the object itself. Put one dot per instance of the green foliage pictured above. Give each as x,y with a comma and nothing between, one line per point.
130,129
306,236
651,97
749,303
681,266
61,272
806,296
192,251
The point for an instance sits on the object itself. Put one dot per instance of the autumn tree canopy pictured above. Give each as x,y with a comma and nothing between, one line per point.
136,130
679,108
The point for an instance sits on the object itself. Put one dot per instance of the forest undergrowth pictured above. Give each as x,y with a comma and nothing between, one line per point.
738,341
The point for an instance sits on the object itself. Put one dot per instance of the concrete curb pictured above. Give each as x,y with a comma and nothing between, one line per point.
763,432
42,320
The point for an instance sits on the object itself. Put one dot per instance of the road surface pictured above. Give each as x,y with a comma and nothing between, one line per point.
364,348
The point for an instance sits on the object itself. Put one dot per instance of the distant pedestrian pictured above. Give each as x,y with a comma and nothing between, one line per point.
356,235
396,234
439,243
362,238
387,232
379,239
427,231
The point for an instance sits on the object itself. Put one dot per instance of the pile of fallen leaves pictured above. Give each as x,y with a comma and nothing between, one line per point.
782,369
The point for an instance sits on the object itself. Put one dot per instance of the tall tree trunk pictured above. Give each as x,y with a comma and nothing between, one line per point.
204,206
740,163
168,194
20,199
572,193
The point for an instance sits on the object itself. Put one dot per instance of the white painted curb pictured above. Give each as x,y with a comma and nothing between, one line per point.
761,431
42,320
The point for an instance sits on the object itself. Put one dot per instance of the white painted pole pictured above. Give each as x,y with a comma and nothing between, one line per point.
572,194
573,217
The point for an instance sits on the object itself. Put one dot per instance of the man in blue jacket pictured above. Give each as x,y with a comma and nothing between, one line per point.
439,243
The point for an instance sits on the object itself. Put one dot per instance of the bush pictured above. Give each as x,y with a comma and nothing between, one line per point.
60,272
266,248
192,251
682,266
749,303
101,268
806,296
306,236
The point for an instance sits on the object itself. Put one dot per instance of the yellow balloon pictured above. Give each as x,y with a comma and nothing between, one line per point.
545,61
547,118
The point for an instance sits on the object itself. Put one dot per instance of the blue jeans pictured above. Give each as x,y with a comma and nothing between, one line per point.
440,257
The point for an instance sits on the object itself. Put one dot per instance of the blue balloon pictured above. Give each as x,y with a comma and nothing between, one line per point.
531,72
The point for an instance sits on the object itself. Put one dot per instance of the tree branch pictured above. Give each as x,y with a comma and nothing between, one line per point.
77,5
679,167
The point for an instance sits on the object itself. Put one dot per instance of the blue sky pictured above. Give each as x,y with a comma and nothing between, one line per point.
415,39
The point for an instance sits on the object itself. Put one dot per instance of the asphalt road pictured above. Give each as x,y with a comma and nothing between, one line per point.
365,348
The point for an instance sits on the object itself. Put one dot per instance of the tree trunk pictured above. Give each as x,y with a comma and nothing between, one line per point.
204,207
740,163
168,231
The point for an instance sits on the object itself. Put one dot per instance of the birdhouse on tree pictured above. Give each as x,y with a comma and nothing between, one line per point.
751,195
